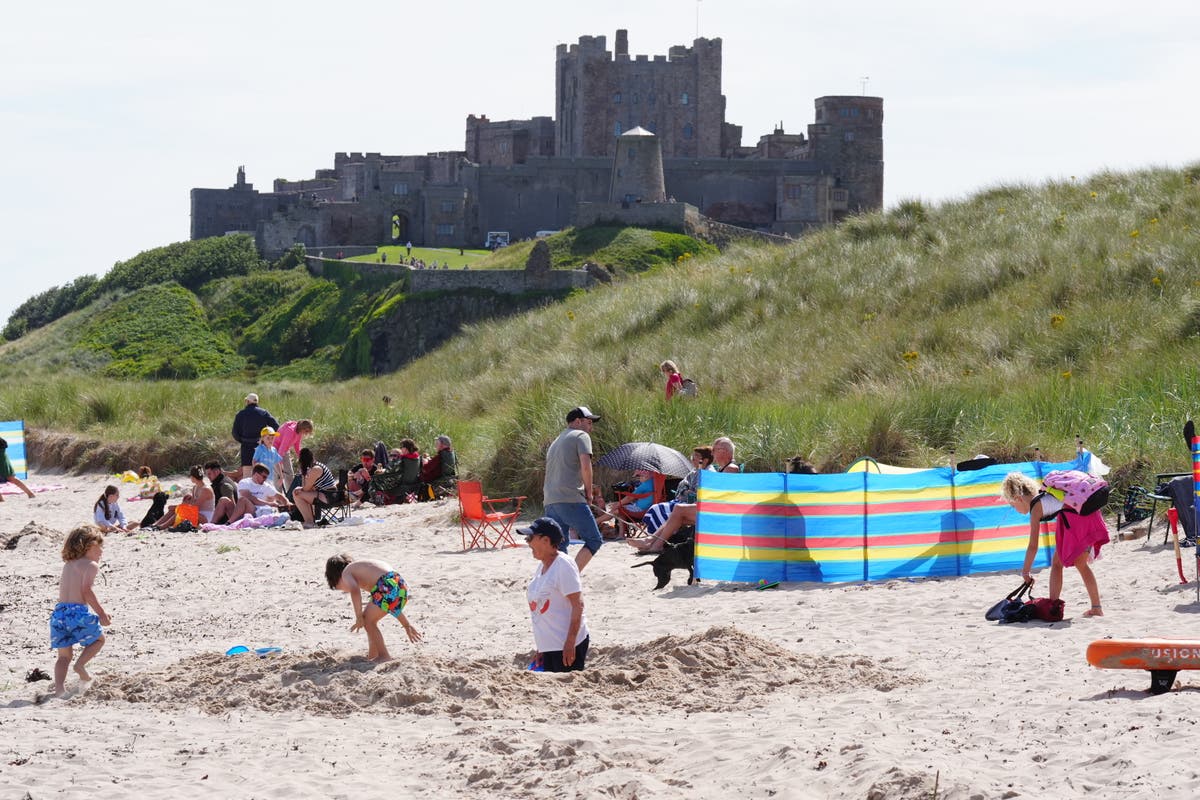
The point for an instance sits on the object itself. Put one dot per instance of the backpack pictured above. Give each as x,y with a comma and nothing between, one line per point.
688,388
1079,492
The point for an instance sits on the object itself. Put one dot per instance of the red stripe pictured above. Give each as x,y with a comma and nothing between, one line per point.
811,542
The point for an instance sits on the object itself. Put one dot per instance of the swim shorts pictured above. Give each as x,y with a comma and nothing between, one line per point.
390,594
72,624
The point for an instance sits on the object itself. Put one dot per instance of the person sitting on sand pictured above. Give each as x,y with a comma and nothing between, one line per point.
7,473
1077,539
199,496
388,593
257,496
108,514
441,470
225,492
358,480
72,622
149,483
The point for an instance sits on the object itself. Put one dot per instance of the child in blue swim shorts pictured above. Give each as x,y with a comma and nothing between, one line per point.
388,595
72,621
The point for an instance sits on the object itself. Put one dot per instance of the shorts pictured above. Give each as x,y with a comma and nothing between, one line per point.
72,624
553,660
265,511
577,516
248,454
390,594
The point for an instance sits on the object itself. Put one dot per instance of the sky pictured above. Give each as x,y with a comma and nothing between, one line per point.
111,112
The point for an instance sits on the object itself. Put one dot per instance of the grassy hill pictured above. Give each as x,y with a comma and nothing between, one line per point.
1017,318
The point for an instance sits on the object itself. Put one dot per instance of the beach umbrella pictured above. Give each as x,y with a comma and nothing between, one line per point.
647,455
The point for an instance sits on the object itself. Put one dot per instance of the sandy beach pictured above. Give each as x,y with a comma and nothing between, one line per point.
887,690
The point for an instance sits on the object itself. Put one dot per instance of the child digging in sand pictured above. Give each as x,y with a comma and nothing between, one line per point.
1077,539
389,595
71,622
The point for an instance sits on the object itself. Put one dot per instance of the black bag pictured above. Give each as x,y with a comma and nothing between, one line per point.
1010,605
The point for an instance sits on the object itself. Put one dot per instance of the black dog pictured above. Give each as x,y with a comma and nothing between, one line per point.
678,553
157,508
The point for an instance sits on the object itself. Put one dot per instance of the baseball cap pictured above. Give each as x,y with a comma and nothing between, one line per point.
267,431
543,526
581,412
252,398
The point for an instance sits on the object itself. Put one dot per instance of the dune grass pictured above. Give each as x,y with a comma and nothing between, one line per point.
1020,317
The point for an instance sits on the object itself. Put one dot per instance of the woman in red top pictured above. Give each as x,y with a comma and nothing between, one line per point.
674,379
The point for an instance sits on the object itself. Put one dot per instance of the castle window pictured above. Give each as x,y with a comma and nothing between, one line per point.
400,189
795,192
502,147
635,99
688,131
820,114
683,99
848,136
617,99
650,98
445,229
449,206
617,128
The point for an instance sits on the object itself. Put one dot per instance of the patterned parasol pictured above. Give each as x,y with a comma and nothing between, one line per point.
647,455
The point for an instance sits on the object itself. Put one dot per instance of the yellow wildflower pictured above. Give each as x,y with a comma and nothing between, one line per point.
1066,375
571,316
1057,320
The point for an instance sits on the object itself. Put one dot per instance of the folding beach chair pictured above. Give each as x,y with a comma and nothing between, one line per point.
337,509
479,517
630,523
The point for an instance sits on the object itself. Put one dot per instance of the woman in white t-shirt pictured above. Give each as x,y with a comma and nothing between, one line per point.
555,596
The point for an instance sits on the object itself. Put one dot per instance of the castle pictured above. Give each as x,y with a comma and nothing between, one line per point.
525,176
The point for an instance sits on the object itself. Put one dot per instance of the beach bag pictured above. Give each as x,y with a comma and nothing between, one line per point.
1048,610
688,388
1079,492
1011,603
187,512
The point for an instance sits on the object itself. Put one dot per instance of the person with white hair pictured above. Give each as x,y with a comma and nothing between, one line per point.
441,470
247,430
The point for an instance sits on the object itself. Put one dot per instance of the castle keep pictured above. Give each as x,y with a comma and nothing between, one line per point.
522,176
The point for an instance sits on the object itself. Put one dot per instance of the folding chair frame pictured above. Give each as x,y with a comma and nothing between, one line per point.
478,516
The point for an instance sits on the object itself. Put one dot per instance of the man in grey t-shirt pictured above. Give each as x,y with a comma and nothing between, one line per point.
568,480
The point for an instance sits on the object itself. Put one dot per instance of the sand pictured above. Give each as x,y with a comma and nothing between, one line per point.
886,690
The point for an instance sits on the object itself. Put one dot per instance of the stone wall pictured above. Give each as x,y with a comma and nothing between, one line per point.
421,324
500,281
672,216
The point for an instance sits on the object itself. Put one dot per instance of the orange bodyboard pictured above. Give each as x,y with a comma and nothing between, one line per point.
1149,654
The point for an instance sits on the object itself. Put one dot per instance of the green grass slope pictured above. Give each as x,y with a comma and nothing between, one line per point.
1017,318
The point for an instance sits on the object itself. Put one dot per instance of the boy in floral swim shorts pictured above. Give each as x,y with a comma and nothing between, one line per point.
72,622
389,595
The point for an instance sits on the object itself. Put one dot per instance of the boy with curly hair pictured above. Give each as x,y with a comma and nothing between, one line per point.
72,622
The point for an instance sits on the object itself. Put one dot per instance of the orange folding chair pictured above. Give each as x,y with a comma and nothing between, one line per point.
479,517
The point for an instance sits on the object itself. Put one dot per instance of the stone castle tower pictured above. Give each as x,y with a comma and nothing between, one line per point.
637,173
600,95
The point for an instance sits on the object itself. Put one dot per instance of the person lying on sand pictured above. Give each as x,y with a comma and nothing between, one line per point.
71,622
388,593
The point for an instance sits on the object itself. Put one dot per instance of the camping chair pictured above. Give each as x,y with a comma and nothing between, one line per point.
337,508
630,522
479,517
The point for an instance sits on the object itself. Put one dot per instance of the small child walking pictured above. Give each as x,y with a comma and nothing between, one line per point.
1077,539
72,622
388,593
